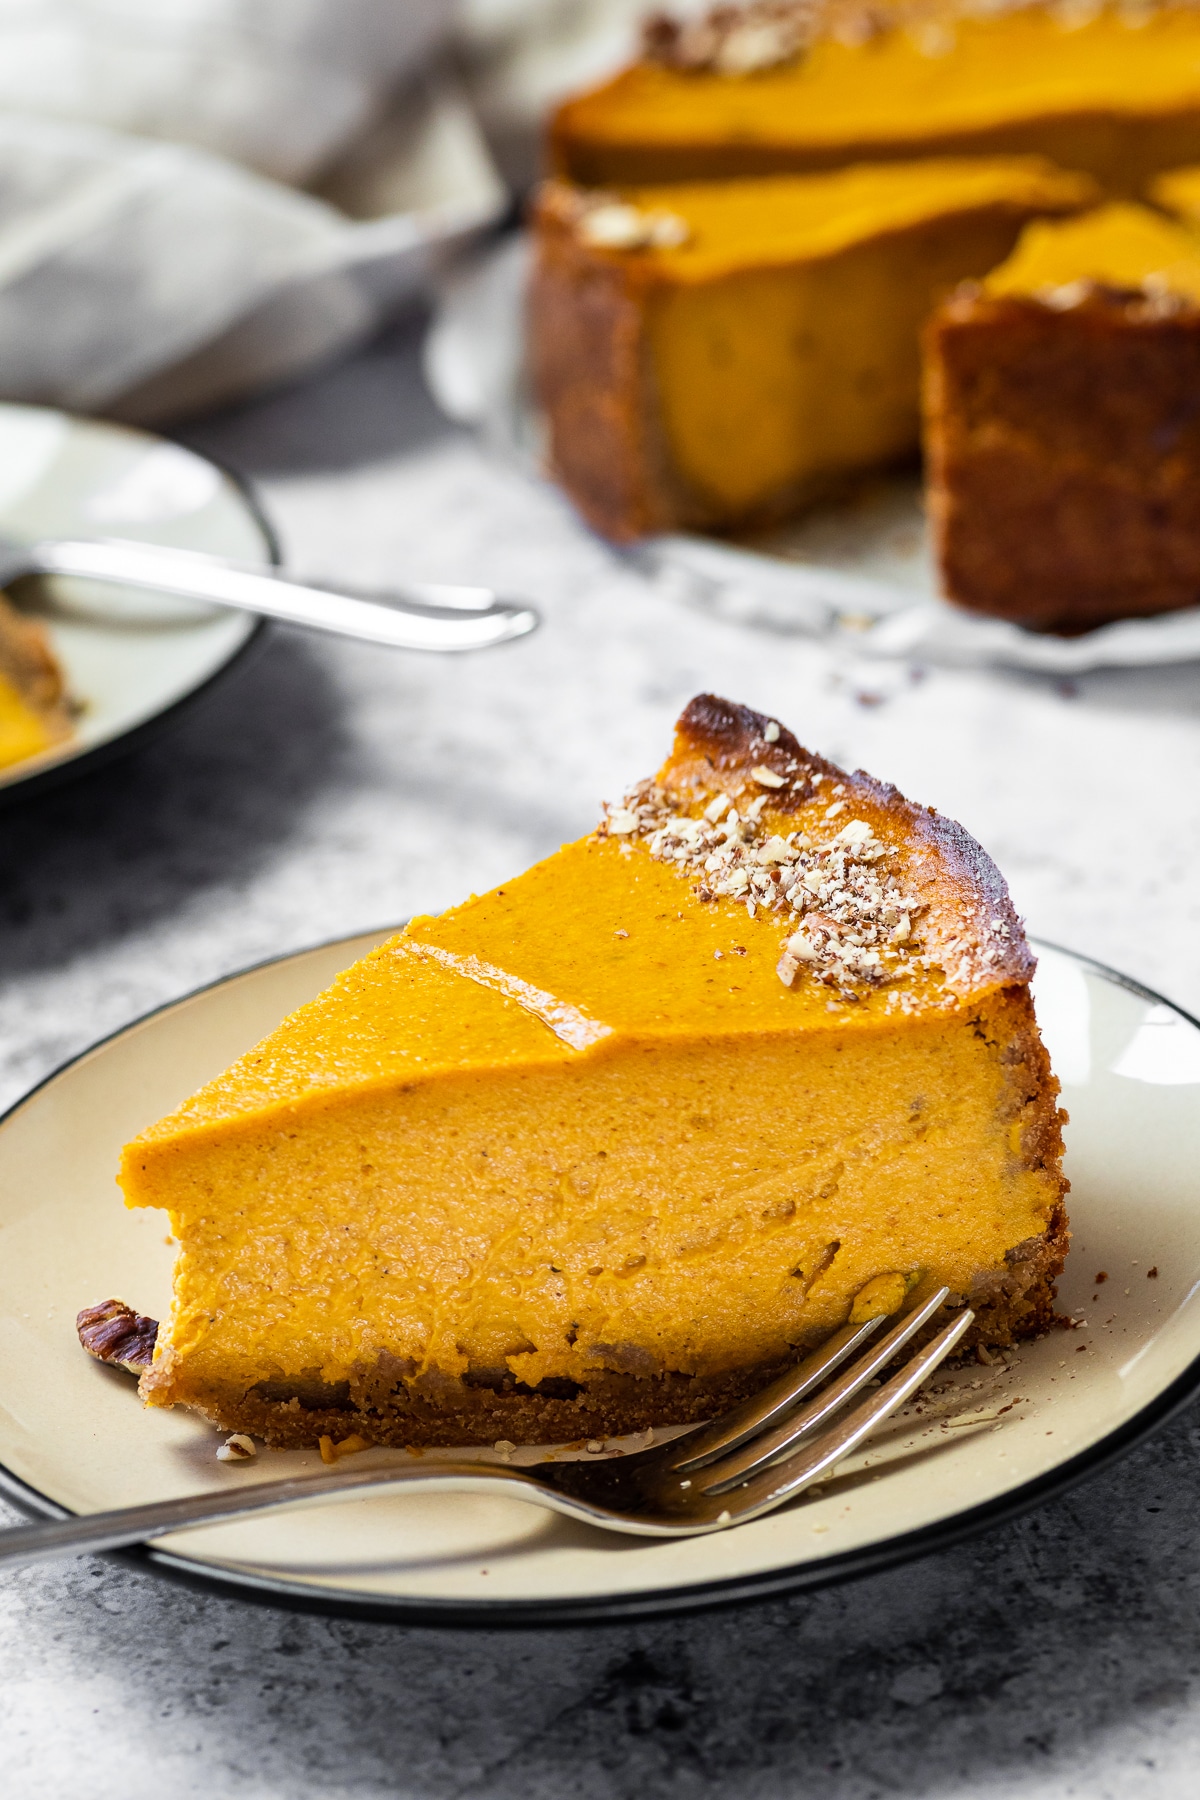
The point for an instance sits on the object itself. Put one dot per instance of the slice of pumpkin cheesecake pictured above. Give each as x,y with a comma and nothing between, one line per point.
604,1148
35,711
1062,424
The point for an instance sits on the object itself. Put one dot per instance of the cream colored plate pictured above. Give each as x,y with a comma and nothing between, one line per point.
129,657
73,1435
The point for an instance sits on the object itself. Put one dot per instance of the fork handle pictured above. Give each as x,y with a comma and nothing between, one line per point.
432,618
78,1536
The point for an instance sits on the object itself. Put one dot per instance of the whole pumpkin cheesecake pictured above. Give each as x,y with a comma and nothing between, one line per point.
606,1147
718,354
778,85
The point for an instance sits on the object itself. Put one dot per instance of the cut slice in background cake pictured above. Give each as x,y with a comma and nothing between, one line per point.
1063,425
821,84
34,713
1178,192
604,1148
720,354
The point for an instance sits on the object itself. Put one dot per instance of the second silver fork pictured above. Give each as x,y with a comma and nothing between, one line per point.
416,616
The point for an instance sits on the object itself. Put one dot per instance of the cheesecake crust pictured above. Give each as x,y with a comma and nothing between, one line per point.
591,369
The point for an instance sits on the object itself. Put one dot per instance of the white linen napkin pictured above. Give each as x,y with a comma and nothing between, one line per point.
119,256
278,85
157,251
199,197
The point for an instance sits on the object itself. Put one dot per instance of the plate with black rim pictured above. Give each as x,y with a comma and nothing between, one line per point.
130,658
988,1440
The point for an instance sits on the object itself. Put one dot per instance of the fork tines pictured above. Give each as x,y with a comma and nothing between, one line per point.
767,1450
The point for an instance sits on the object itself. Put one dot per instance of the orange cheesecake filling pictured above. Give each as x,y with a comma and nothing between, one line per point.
788,321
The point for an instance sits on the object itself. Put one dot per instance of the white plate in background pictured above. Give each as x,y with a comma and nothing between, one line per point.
129,657
75,1438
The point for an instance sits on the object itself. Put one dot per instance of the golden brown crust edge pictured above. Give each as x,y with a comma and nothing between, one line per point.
1063,454
718,744
589,364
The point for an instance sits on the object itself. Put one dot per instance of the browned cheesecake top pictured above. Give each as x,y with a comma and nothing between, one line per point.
873,889
748,36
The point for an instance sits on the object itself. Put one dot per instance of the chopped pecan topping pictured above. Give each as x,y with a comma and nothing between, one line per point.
732,39
113,1333
604,221
746,37
850,922
1153,299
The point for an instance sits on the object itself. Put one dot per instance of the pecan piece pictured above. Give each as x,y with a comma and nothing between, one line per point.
113,1333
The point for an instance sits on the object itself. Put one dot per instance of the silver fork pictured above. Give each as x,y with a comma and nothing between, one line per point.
742,1466
421,616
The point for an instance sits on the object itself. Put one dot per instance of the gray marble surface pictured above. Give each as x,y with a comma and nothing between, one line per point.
325,788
